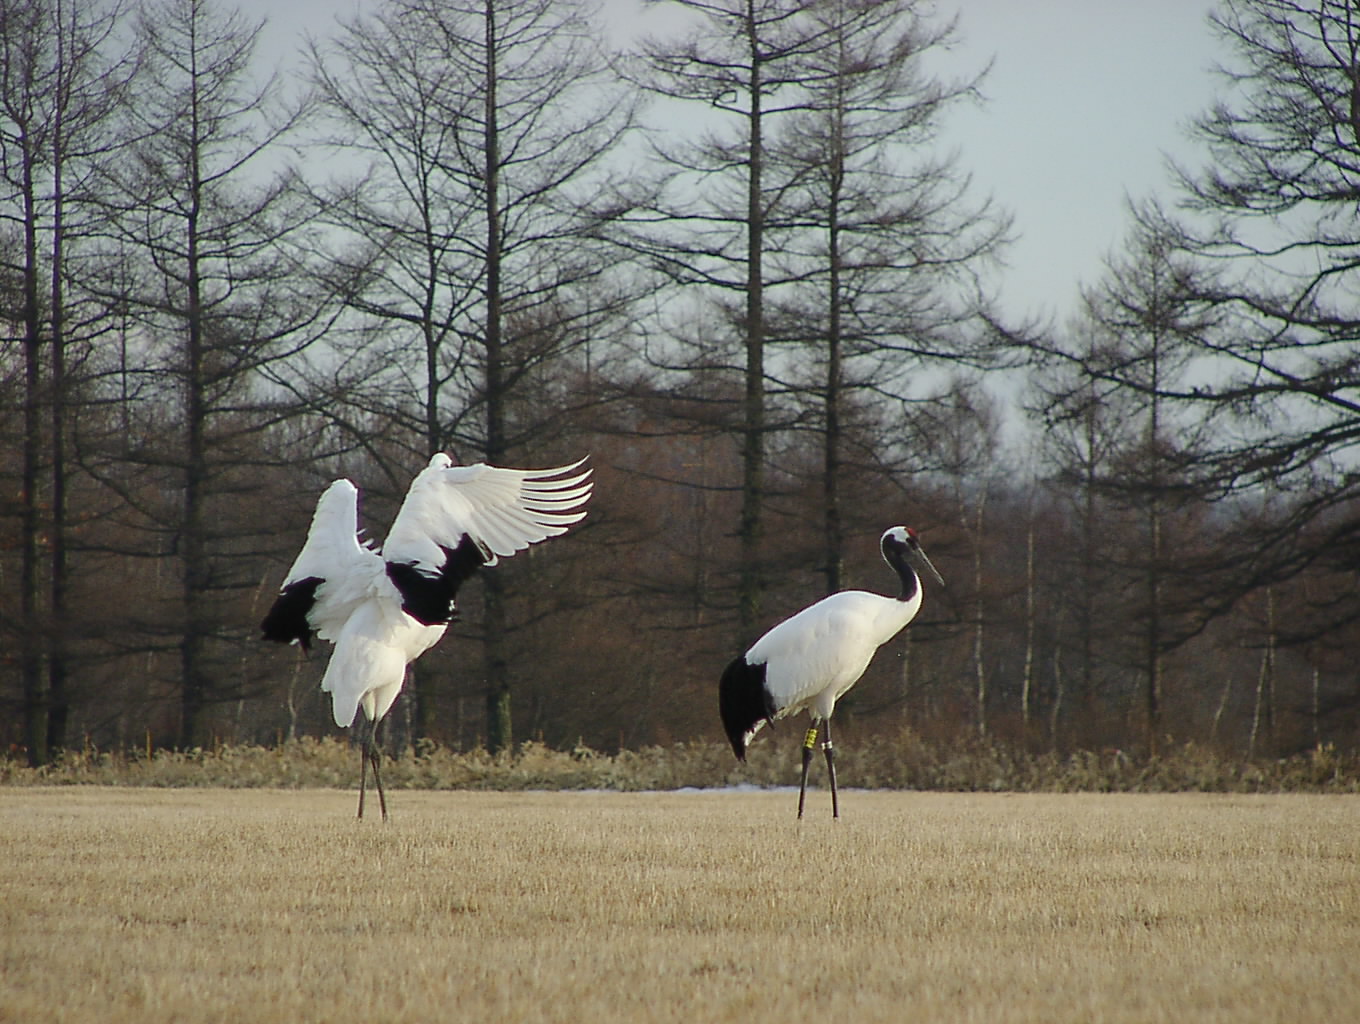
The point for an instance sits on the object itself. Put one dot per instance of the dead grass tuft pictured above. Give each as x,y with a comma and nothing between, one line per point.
901,762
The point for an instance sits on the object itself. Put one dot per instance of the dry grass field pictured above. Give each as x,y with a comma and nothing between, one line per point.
136,905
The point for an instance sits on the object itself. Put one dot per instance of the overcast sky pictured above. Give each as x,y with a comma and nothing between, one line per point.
1085,98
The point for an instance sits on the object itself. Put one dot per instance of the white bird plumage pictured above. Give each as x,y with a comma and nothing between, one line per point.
383,609
808,661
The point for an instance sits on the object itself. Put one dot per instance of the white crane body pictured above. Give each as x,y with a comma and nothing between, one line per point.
368,666
383,609
813,657
808,661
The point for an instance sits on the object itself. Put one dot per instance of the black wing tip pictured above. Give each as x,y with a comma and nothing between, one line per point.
742,702
286,621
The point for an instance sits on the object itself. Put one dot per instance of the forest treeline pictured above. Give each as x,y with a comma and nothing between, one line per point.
731,264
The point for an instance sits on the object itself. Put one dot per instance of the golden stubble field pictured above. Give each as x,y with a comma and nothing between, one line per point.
135,905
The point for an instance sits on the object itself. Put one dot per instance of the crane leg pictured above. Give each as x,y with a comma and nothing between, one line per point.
809,742
830,753
377,779
363,773
368,754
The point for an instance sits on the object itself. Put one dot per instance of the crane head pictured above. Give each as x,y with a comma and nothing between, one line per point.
908,544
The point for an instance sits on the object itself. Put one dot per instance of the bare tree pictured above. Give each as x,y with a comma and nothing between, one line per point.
960,435
887,244
712,218
1080,416
1270,219
26,36
1139,345
480,132
61,75
219,290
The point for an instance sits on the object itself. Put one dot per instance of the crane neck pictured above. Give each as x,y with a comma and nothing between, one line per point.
906,575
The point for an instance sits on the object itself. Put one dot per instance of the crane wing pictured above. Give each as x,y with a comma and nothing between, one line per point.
331,575
456,519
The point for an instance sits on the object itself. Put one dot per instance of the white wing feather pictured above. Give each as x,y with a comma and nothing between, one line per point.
334,554
502,510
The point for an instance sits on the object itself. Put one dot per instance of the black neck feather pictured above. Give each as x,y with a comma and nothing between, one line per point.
910,582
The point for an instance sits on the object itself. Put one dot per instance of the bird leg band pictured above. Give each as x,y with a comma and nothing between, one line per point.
811,740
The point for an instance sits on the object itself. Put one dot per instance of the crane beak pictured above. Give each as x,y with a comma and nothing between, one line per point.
919,557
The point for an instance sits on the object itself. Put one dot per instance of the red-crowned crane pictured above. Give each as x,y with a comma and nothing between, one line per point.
383,610
810,659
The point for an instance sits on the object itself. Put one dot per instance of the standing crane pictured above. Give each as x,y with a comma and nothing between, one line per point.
383,609
811,658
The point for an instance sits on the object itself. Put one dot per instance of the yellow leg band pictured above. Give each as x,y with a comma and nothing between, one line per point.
811,740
